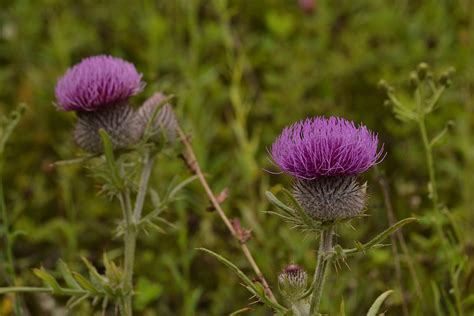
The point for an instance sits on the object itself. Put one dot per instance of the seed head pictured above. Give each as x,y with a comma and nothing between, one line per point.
97,82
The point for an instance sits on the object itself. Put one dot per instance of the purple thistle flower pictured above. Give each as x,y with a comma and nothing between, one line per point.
97,82
319,147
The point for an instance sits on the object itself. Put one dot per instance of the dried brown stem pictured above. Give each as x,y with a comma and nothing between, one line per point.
193,164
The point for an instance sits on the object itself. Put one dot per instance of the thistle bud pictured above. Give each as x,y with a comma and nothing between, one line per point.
292,282
163,127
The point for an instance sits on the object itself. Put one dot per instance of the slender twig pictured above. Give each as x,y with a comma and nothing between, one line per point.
325,247
195,167
401,240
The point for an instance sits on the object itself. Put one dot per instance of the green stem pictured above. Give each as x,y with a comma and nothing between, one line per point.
145,177
27,289
429,162
132,218
130,239
10,269
434,199
325,246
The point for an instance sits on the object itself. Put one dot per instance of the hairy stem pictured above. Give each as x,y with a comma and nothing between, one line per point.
195,168
145,177
325,246
131,218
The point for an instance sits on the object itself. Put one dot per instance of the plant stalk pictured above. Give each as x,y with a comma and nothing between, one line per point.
325,247
10,269
196,169
132,218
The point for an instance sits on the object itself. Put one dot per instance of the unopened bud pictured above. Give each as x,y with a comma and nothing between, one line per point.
422,70
292,281
163,127
414,79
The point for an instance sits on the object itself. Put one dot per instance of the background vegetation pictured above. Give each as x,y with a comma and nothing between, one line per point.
240,71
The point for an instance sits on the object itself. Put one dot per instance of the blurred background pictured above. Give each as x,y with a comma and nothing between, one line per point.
240,71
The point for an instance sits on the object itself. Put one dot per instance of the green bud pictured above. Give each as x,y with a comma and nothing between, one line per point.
422,70
414,79
292,282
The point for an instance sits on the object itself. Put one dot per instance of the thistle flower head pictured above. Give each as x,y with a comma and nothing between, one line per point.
292,281
97,82
321,147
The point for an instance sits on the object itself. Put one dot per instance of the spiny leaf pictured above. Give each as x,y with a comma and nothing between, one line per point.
180,186
380,237
97,280
76,300
84,283
275,201
109,156
257,291
67,275
48,279
374,309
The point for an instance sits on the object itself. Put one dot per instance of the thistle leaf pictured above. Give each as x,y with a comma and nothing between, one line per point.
374,309
375,242
248,284
67,275
48,279
111,163
84,283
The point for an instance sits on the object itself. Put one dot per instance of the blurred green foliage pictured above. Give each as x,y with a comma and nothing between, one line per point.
240,71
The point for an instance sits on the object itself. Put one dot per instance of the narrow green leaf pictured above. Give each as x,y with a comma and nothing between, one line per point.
374,309
48,279
76,300
67,275
303,215
275,201
240,311
342,308
436,299
109,156
380,237
259,292
97,280
84,283
180,186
